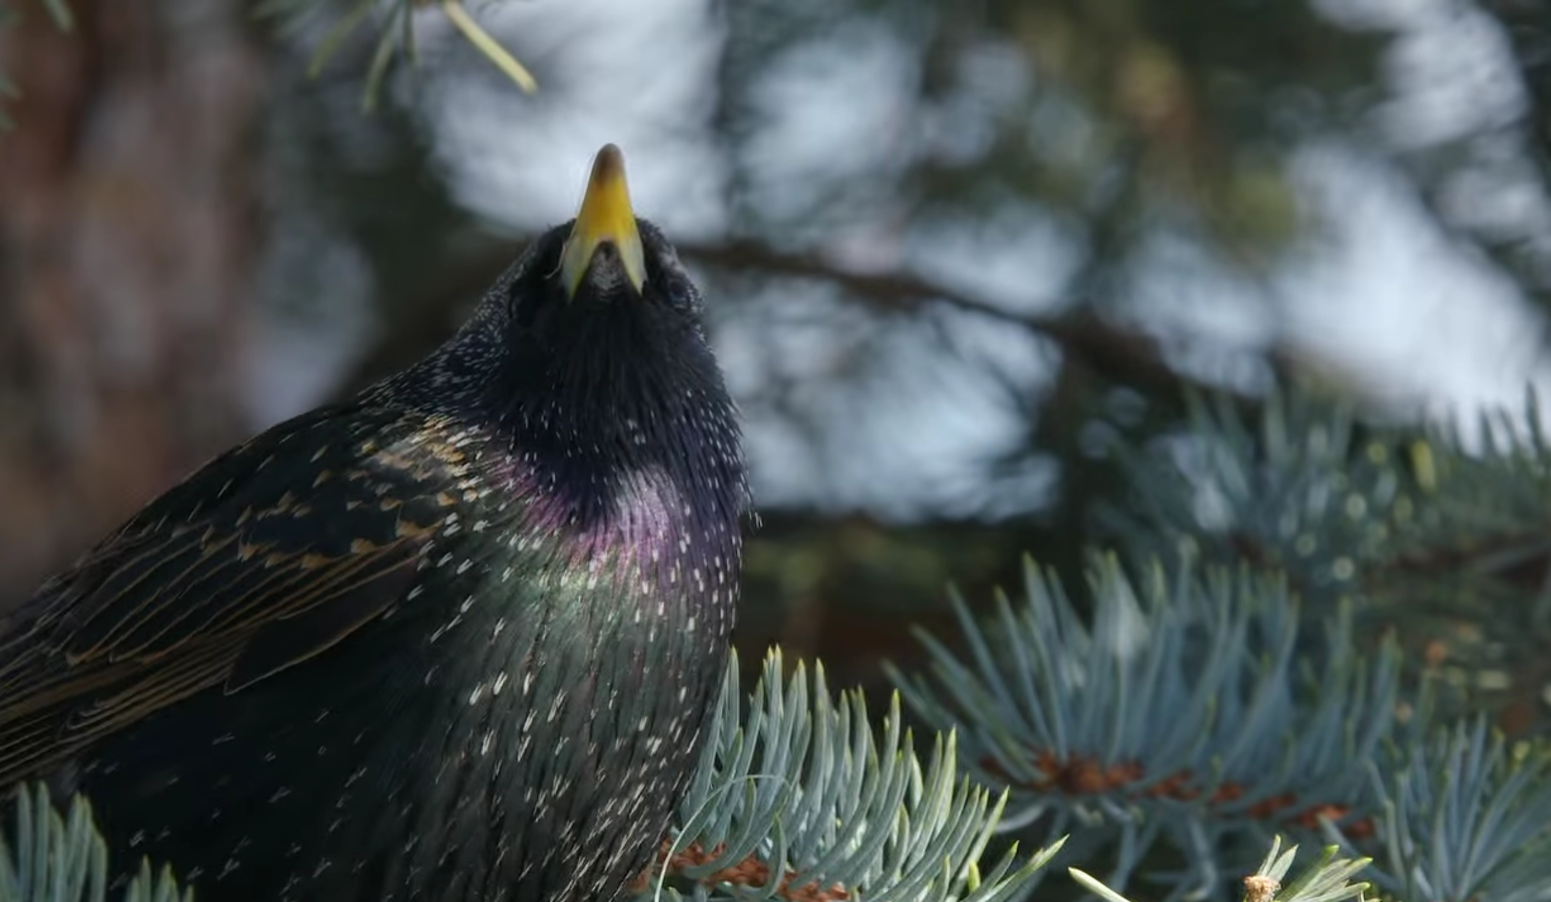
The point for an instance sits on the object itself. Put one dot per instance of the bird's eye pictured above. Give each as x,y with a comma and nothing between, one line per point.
678,292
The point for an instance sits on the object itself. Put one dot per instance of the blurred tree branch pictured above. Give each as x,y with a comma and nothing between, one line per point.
1105,348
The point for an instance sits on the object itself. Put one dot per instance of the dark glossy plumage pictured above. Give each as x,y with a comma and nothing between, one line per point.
453,640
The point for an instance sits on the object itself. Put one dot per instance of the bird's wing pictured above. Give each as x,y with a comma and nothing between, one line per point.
265,557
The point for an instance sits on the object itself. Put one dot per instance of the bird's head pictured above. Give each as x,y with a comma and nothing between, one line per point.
603,353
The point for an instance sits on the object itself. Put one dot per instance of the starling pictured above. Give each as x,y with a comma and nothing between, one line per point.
455,639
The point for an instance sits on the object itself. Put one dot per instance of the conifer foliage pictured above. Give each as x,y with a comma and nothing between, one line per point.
1331,631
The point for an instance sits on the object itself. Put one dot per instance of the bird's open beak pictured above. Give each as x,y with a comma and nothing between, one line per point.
605,218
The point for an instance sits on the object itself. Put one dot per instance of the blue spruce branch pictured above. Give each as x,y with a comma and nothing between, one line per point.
1190,711
801,801
1465,816
1327,880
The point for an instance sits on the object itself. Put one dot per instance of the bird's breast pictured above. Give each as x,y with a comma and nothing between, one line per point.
566,664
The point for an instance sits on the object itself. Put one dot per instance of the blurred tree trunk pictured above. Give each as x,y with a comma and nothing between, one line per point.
127,246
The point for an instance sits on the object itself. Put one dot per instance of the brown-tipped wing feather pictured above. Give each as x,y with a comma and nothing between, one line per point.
228,578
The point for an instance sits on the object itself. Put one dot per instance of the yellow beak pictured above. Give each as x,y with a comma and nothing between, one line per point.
605,218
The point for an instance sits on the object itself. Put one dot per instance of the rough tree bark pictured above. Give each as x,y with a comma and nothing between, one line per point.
128,194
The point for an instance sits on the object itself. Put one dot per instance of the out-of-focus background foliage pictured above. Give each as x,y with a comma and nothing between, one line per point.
953,249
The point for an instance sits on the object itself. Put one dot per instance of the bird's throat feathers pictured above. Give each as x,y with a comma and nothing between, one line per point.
660,505
622,446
